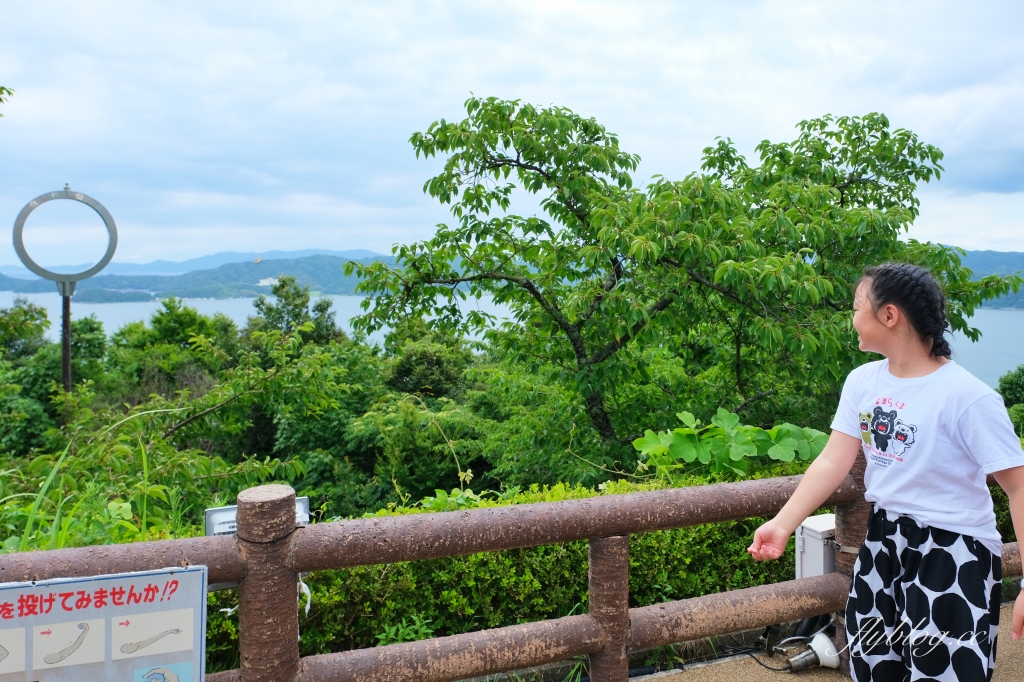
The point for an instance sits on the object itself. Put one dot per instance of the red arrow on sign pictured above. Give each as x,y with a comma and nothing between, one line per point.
126,623
46,632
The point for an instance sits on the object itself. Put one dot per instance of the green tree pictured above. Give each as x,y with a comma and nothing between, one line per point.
742,272
419,447
293,309
160,358
30,381
39,373
23,420
177,323
1011,386
88,346
426,362
5,93
22,328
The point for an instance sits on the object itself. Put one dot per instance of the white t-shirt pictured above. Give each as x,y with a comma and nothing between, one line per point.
929,443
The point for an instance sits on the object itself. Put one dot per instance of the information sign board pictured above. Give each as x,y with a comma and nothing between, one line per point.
148,626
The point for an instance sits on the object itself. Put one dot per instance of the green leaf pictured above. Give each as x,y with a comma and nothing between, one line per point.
738,451
725,419
816,439
780,453
788,442
684,451
688,419
717,446
650,443
763,441
120,510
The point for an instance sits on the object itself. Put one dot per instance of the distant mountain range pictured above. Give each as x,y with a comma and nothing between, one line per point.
998,263
166,267
235,274
322,274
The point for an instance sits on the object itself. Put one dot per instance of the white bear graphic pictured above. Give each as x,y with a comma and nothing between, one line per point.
902,437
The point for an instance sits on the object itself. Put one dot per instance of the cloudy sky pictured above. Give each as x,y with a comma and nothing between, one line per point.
211,126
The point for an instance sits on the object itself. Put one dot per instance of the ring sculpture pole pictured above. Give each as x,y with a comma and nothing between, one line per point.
65,282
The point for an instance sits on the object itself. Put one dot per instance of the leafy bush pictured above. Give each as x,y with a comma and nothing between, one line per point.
418,444
22,326
430,369
724,444
1011,386
114,475
1017,418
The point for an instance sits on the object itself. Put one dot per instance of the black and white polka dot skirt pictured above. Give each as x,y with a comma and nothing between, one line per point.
924,604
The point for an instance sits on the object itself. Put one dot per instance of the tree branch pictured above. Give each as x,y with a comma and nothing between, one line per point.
594,399
199,415
612,279
613,347
501,162
700,279
755,398
570,330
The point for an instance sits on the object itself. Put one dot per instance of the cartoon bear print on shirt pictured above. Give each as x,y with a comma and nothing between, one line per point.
882,427
865,427
902,436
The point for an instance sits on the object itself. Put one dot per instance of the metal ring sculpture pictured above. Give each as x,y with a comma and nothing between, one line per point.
66,193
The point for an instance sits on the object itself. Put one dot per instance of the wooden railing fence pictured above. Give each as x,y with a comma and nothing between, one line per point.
268,553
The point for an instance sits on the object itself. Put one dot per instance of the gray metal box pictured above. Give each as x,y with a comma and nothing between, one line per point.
814,552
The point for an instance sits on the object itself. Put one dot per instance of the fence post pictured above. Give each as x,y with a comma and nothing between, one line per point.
851,529
609,605
268,619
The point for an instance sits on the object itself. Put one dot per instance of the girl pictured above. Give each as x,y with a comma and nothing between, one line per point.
924,599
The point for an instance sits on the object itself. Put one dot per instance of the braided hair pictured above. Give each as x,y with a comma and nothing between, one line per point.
915,292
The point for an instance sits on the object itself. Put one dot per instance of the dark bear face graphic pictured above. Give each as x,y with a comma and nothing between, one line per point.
882,422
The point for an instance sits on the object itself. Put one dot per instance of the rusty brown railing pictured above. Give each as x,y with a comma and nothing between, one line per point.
268,552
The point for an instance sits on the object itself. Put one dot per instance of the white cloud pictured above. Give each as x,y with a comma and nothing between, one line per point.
983,220
291,120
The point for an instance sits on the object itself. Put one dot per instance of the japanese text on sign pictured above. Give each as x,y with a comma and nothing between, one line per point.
134,626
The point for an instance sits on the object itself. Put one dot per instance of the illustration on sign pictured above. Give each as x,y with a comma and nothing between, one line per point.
51,659
13,644
71,643
177,672
147,626
132,647
162,632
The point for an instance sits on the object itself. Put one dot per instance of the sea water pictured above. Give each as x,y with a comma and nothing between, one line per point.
116,315
998,351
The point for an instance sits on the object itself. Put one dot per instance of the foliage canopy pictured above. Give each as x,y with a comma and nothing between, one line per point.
739,277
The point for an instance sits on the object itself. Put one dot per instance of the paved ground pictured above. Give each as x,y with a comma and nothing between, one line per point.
1009,665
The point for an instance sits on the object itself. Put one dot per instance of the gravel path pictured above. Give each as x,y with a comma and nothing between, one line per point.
1009,665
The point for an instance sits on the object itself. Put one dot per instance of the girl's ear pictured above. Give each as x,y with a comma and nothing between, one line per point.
890,316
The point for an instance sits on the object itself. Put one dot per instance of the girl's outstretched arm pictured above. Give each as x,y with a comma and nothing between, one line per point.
821,480
1012,481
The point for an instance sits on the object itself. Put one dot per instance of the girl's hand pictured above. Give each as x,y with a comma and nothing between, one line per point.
1018,617
770,542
